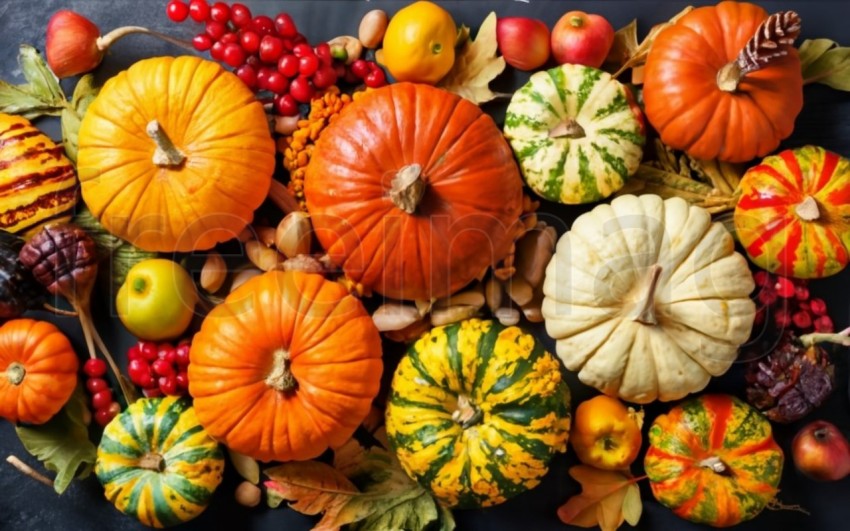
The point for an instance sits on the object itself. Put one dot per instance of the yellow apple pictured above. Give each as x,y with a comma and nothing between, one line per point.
157,300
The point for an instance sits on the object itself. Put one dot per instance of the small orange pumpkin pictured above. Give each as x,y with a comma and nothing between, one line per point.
413,191
700,100
175,154
38,371
286,367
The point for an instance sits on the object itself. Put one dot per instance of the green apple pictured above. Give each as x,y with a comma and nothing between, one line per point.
157,300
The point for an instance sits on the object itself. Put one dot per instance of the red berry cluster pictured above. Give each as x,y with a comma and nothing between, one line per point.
159,369
789,302
105,408
270,54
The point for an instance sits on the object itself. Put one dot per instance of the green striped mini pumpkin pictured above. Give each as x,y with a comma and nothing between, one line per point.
476,412
157,464
576,133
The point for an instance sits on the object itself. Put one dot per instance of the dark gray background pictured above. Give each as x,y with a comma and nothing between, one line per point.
825,120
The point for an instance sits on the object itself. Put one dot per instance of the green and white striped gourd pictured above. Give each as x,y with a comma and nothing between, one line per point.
576,133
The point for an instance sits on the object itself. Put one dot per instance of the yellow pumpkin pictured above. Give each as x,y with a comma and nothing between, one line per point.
175,154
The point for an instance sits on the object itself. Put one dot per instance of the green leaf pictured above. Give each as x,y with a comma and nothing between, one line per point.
62,444
823,61
42,82
72,116
365,489
18,100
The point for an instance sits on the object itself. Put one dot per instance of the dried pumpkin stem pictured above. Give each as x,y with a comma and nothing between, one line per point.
280,377
27,470
408,188
15,373
808,209
646,309
105,41
772,39
166,153
569,128
152,461
466,414
715,464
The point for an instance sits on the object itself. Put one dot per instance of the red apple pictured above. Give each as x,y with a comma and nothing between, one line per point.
524,42
582,39
821,451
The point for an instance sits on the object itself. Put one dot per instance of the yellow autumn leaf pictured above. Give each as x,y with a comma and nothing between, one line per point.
607,499
476,64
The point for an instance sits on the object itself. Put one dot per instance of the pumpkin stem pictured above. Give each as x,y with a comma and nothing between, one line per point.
166,153
280,377
569,128
408,188
714,464
771,40
466,414
646,309
16,372
152,461
808,210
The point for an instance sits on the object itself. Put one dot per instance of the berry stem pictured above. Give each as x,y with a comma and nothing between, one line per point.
105,41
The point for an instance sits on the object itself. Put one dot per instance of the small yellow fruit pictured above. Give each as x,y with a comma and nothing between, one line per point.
606,434
157,300
419,44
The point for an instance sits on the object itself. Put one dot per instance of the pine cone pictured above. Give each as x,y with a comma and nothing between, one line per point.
791,381
62,258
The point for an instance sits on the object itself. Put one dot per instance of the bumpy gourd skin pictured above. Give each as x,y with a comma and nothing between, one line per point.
157,463
476,412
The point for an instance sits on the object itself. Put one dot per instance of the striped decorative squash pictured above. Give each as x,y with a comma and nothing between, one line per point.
37,183
793,216
157,464
576,132
713,460
476,412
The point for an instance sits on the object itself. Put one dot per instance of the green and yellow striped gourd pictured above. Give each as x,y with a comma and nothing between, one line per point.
576,132
476,412
157,464
37,182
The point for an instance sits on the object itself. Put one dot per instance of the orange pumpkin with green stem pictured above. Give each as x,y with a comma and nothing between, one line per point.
38,371
724,82
286,367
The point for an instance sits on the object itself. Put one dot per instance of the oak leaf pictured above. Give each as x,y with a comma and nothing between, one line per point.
476,64
607,499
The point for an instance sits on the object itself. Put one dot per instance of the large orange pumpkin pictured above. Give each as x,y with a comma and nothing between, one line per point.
38,371
175,154
413,191
697,105
286,367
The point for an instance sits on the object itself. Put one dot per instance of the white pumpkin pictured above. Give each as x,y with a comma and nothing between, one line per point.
647,298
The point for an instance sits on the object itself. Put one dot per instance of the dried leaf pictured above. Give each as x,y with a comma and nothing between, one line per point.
42,82
824,61
84,93
476,65
641,51
632,505
365,489
602,500
624,47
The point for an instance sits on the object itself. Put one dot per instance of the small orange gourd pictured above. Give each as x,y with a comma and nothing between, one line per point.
38,371
175,154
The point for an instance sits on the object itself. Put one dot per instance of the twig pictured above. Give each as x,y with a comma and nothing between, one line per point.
26,470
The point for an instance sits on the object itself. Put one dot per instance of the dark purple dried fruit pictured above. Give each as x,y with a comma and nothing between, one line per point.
63,258
19,291
791,381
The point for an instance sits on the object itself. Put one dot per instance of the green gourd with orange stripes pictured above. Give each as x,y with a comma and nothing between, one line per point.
576,132
37,182
793,216
713,460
